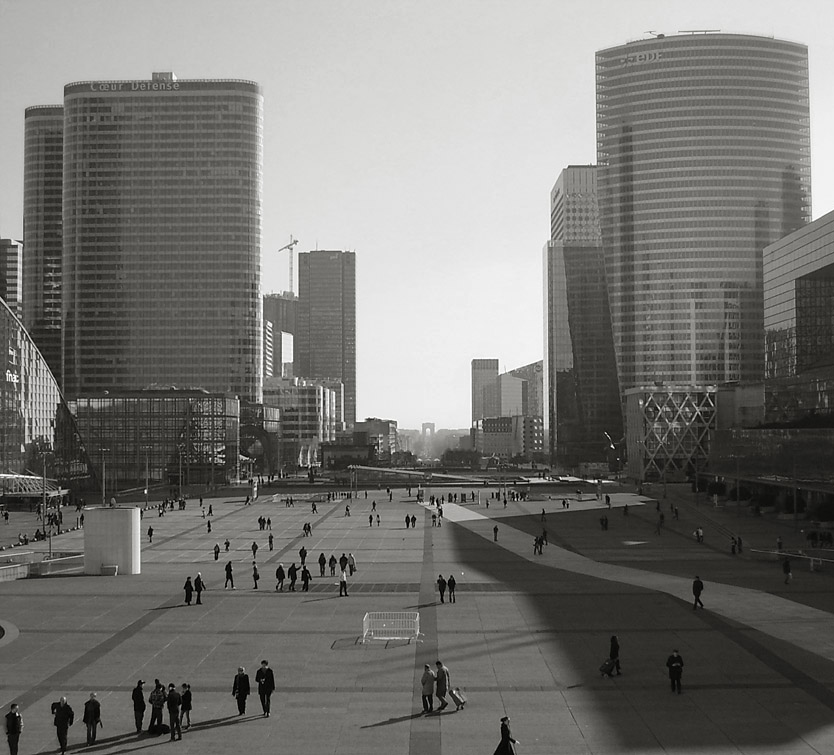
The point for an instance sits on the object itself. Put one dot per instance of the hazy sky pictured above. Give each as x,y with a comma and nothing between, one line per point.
425,136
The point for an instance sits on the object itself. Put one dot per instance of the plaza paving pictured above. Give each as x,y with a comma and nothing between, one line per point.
525,638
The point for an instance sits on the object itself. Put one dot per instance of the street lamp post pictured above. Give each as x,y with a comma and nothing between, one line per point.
104,475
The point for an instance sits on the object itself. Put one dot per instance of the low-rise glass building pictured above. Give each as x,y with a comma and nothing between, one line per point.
167,437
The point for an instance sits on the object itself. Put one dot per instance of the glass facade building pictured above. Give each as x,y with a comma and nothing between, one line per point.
799,301
162,184
11,266
171,438
703,148
484,377
43,170
581,394
36,426
325,338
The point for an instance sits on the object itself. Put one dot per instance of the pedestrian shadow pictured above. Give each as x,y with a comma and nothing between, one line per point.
397,720
151,740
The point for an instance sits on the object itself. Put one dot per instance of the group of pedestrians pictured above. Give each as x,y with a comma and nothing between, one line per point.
176,701
241,689
438,684
444,584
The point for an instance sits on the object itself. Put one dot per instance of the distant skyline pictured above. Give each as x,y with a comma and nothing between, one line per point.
424,136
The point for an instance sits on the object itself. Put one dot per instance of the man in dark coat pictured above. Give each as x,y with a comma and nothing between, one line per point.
92,717
64,718
292,573
697,589
675,665
138,696
265,680
14,727
199,586
240,689
443,682
614,654
173,702
189,590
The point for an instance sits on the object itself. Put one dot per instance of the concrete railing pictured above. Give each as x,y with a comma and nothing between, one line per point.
10,572
64,565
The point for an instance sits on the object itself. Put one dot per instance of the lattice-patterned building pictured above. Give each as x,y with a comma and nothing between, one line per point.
668,430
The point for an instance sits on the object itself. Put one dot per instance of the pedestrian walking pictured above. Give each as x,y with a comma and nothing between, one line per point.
254,549
185,707
292,573
230,578
495,533
208,526
271,540
614,654
675,665
240,689
442,684
226,543
377,520
413,521
322,564
14,727
199,586
216,551
427,682
697,589
407,521
352,564
189,590
157,701
280,576
451,584
786,570
343,584
63,718
174,702
138,697
92,717
211,513
507,744
265,680
370,520
343,562
441,587
255,575
305,579
332,563
302,555
150,534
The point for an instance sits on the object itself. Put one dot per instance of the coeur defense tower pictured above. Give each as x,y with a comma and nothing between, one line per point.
162,184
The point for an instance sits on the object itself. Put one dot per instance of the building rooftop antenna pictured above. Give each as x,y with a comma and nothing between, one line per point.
698,31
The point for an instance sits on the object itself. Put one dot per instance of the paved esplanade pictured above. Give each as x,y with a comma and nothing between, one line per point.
525,638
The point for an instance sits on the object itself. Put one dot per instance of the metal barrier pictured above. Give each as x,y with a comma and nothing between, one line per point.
814,562
391,625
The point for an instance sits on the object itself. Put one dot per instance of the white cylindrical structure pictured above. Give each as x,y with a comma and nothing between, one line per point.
112,538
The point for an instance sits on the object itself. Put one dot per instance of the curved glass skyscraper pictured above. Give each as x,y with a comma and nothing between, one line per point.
161,235
703,148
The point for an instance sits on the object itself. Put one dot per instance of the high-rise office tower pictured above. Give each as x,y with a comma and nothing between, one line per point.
325,338
161,235
280,312
484,377
703,146
10,273
43,167
581,396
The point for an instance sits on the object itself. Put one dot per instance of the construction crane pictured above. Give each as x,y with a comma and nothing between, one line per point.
290,246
